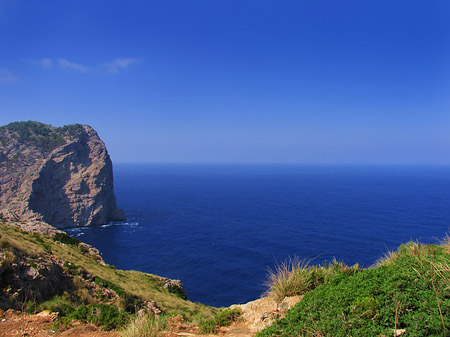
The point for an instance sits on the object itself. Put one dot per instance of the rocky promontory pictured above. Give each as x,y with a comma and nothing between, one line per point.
60,175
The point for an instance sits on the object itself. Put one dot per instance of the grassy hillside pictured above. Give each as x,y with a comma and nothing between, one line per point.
90,286
407,292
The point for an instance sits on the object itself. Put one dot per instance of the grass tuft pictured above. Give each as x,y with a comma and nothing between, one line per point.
144,326
289,278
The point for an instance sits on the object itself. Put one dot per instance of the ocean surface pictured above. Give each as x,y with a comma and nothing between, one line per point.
219,228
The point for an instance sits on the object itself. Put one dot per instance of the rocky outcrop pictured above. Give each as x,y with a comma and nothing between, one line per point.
37,279
174,287
261,313
62,176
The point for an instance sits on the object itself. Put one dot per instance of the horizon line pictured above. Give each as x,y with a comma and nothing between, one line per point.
279,163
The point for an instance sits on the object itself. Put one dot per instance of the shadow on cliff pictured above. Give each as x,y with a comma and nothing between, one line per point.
49,196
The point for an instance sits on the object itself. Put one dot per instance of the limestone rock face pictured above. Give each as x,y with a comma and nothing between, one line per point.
262,312
62,176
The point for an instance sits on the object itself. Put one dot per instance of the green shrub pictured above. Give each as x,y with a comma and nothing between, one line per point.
71,268
107,284
222,318
107,316
227,316
66,239
46,136
207,326
60,304
401,294
296,277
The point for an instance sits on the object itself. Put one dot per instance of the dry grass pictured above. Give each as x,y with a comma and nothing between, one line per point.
145,286
414,248
289,278
388,259
144,326
443,272
7,260
445,242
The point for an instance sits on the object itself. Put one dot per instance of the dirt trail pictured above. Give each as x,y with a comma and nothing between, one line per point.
13,323
256,315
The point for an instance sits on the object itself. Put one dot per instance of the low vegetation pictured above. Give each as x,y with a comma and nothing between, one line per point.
44,135
222,318
144,326
407,291
297,277
94,292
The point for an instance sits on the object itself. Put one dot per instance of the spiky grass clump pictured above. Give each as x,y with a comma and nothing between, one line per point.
289,278
144,326
443,273
296,277
388,259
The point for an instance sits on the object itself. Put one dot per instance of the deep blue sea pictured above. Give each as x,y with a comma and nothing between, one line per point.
219,228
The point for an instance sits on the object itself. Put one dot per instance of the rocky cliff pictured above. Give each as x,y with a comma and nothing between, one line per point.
62,176
56,272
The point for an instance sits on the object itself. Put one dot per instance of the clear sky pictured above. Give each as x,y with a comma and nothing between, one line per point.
240,81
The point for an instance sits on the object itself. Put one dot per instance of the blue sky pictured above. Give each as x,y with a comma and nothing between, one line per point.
235,81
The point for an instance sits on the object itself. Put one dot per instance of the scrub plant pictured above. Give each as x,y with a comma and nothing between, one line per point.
410,292
289,278
144,326
222,318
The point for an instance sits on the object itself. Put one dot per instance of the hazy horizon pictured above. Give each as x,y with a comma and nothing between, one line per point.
323,164
296,82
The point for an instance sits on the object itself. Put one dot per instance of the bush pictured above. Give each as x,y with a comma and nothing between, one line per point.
223,318
401,294
59,304
66,239
296,277
207,326
106,315
107,284
227,316
45,136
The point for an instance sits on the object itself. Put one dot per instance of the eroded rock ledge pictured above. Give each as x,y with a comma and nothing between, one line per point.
62,176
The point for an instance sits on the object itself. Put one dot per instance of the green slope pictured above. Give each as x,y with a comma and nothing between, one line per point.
91,284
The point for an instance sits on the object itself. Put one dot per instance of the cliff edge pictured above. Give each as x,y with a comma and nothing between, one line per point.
60,175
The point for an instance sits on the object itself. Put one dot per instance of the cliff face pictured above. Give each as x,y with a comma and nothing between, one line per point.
62,176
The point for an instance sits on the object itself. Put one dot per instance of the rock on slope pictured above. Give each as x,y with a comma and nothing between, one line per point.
62,176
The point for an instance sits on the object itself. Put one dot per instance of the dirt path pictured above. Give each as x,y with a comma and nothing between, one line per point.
256,315
13,323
